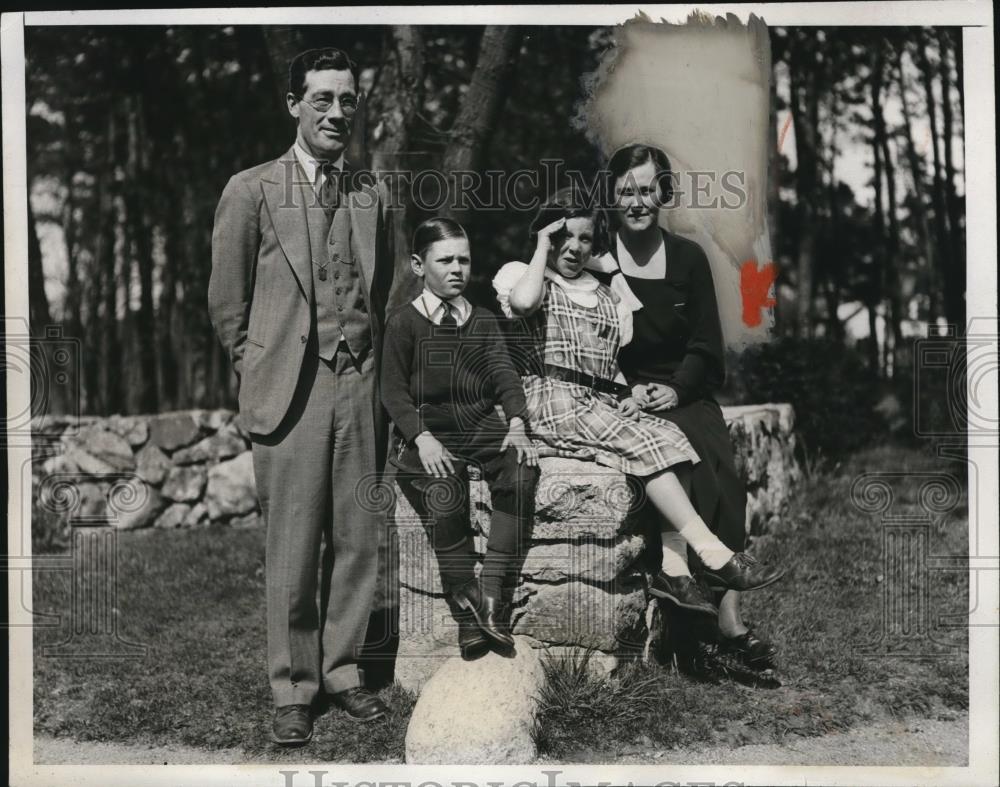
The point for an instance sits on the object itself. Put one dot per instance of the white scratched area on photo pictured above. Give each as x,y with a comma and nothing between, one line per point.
835,162
712,121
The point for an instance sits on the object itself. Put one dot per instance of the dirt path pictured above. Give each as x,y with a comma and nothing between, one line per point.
912,742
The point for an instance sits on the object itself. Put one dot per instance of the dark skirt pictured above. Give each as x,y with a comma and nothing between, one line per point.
718,493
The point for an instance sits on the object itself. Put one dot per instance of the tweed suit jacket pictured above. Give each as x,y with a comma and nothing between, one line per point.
260,294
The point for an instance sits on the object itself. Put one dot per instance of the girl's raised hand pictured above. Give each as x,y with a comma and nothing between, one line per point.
545,233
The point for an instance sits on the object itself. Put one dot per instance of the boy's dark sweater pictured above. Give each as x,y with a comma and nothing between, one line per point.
467,368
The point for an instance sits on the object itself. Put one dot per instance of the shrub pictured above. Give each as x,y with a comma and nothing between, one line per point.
829,385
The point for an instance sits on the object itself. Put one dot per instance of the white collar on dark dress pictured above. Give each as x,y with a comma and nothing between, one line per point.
656,268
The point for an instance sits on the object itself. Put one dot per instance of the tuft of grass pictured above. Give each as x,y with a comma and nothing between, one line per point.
576,694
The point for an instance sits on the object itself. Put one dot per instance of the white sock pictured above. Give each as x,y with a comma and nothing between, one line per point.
675,550
713,553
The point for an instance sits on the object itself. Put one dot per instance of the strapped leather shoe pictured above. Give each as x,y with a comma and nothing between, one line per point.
742,572
292,725
756,653
359,704
487,611
472,642
685,592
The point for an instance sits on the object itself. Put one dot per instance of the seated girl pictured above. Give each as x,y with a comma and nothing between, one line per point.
578,325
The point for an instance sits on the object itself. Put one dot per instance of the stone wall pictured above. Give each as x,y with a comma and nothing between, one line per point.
181,469
583,583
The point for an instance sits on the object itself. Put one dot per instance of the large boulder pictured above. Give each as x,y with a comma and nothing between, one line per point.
134,504
174,516
185,484
478,712
231,489
134,429
96,451
152,465
171,431
224,444
608,617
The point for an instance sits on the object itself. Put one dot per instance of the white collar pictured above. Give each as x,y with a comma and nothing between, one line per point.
656,268
432,307
581,290
310,164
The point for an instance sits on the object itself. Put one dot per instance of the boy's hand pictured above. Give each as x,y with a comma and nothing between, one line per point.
435,458
518,440
661,397
629,408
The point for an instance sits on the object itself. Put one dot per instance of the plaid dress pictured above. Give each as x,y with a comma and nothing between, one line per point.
575,420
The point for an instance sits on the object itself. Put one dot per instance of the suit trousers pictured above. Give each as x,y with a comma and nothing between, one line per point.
322,538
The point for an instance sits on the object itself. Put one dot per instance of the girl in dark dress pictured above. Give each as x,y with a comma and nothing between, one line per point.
675,361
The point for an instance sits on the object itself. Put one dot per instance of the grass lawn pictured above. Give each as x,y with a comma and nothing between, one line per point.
196,599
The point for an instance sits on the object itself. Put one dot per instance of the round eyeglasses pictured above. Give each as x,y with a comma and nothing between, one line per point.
348,104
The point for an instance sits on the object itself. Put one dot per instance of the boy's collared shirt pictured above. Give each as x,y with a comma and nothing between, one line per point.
432,307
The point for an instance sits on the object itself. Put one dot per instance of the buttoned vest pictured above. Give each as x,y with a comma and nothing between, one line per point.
339,300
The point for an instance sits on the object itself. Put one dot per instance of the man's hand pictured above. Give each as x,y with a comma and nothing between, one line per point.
435,458
660,397
518,440
629,408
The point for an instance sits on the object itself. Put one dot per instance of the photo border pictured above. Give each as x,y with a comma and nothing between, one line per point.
976,18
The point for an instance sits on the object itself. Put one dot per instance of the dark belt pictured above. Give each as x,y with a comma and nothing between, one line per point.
586,380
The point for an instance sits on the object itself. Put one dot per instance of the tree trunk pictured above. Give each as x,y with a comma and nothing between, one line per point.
805,103
891,275
283,43
881,250
941,244
955,283
919,194
473,128
139,232
398,104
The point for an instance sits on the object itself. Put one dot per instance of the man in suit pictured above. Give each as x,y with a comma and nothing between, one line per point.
301,269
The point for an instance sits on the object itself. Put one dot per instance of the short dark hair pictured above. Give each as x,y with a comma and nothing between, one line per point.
637,154
433,230
570,202
324,59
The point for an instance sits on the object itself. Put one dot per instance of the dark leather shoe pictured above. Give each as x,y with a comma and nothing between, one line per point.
756,653
359,704
472,642
487,610
742,572
685,592
293,725
701,663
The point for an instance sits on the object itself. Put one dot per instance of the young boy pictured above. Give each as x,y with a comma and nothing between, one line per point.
445,368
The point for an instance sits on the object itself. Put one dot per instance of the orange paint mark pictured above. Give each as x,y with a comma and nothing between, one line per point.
784,131
755,284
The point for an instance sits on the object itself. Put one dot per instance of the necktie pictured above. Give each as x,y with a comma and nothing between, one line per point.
449,315
329,192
